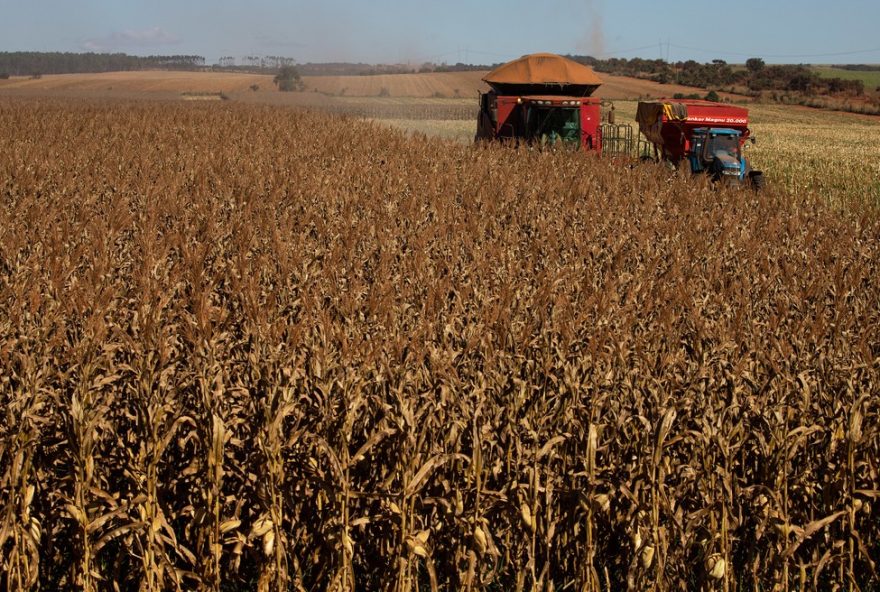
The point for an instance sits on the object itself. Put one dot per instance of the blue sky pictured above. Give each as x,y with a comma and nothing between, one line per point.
784,31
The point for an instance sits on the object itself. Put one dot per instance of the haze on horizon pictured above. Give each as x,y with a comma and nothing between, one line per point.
399,31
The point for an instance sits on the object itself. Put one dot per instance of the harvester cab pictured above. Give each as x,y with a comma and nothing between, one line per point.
552,122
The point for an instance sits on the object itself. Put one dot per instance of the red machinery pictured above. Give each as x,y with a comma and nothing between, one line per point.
671,124
708,137
542,98
546,99
542,118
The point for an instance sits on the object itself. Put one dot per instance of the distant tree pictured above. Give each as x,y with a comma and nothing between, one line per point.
755,65
288,79
713,96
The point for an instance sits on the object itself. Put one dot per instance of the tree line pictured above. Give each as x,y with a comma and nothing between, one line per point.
34,63
254,63
858,67
756,76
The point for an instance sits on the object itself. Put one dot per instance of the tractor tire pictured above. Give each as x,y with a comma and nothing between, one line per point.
756,180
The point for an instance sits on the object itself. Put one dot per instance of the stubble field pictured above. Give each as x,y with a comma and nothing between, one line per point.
427,85
251,347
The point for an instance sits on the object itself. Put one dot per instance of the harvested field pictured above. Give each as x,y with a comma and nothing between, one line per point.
246,347
626,88
462,110
428,85
439,84
468,84
161,81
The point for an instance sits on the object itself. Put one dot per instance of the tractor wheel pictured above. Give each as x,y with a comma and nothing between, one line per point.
756,180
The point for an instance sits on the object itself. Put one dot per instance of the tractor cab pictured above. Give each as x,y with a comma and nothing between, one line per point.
717,151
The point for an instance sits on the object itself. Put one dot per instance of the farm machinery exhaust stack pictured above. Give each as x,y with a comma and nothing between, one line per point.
547,99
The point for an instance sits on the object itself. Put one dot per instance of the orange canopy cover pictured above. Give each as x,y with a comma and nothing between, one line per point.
543,68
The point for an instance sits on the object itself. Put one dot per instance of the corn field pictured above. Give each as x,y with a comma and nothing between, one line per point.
253,348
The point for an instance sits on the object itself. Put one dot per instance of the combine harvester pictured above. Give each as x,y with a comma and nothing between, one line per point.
547,99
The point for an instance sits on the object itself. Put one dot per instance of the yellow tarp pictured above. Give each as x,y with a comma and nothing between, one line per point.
675,111
650,117
543,68
649,113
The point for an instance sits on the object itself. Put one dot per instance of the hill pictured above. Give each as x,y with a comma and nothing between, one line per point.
467,84
422,85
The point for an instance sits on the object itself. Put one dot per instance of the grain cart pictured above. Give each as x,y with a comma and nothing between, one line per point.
701,136
545,99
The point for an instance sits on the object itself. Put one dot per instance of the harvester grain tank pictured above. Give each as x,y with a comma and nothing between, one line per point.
542,98
702,136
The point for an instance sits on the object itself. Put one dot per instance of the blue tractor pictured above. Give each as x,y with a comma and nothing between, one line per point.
702,136
718,152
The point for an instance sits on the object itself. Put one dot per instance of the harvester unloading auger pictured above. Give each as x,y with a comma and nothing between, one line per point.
547,99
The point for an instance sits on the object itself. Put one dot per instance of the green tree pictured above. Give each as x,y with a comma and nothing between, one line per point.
755,65
288,79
